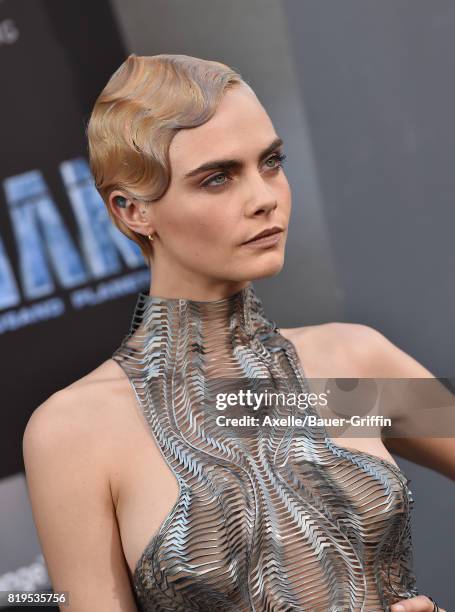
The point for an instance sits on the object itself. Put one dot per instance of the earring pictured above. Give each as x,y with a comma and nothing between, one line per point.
150,237
120,201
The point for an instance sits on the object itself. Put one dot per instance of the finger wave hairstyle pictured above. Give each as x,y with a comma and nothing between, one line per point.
131,126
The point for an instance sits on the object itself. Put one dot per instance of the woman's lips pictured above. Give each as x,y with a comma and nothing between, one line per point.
265,241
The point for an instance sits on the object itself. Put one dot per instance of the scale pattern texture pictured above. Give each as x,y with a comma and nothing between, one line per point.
268,521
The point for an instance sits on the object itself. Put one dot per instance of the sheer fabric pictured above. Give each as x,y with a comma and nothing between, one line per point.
269,521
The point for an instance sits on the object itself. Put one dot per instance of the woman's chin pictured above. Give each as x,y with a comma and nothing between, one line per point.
263,269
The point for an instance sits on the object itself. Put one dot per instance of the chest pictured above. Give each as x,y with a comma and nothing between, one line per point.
146,488
240,521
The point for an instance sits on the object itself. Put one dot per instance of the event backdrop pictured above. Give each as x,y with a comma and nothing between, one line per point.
63,264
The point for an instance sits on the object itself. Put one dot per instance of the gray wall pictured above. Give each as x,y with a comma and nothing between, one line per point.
378,93
362,95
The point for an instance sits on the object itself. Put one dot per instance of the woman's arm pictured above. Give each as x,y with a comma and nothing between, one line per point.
383,359
69,488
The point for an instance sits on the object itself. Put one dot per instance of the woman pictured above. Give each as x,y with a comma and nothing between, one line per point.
163,508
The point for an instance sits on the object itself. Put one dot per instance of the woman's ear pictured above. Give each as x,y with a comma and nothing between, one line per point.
135,215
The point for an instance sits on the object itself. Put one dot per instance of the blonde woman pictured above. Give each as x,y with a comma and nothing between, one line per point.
142,499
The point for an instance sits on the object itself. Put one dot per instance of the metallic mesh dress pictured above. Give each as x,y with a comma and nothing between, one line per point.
269,521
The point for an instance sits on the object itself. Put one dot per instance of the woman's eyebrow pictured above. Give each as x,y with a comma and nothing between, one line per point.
232,164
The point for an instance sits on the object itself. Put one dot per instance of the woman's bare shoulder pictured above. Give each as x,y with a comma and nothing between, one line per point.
333,332
79,410
334,349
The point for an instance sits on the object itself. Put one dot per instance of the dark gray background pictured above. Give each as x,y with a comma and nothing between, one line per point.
362,93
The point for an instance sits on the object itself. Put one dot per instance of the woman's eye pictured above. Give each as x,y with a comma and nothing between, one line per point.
209,182
277,159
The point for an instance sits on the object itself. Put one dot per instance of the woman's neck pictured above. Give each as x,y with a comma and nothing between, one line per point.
177,332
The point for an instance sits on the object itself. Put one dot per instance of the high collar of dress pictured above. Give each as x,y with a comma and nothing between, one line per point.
239,312
233,320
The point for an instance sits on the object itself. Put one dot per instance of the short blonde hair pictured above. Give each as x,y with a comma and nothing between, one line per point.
144,103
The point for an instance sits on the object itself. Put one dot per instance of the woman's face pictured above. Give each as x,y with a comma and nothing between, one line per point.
207,214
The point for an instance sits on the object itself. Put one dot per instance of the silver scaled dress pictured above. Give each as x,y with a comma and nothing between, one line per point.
270,521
